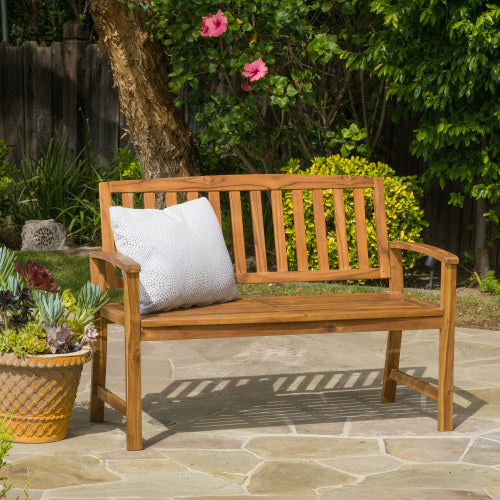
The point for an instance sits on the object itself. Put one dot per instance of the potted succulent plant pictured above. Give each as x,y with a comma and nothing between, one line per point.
45,338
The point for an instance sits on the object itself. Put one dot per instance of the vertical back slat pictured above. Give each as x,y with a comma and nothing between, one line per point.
238,236
149,200
259,238
319,224
214,199
192,195
340,228
128,200
170,198
279,230
108,244
360,218
381,226
300,230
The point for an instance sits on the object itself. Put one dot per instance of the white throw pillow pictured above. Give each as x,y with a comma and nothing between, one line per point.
184,260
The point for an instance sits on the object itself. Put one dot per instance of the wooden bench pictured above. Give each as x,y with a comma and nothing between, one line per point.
391,311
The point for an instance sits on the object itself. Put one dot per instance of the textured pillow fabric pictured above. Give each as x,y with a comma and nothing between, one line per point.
184,260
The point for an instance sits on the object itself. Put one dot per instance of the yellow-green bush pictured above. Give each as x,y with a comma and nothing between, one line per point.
404,215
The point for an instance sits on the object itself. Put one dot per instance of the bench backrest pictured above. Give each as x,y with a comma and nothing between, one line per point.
274,185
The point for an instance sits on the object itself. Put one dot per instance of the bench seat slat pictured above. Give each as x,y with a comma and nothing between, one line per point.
287,309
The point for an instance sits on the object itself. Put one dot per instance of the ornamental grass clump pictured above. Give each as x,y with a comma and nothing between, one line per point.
36,318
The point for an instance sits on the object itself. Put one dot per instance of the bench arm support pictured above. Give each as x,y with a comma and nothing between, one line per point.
102,268
126,264
449,263
439,254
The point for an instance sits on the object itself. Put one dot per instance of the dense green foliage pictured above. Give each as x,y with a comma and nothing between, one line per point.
489,283
304,106
7,170
41,20
442,60
404,216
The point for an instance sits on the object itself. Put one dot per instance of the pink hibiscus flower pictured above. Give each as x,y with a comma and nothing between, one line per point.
246,87
214,25
255,70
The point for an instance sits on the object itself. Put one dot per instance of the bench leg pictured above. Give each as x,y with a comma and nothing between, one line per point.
445,379
391,363
98,376
133,364
446,347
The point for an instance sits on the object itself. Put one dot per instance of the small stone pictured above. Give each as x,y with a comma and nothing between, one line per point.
152,485
426,450
225,464
141,466
294,478
305,447
445,476
198,441
359,492
484,452
45,235
56,470
363,465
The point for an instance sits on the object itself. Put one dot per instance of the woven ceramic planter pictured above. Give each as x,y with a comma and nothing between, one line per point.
37,393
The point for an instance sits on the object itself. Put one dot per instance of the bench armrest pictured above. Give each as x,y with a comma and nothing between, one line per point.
126,264
448,272
437,253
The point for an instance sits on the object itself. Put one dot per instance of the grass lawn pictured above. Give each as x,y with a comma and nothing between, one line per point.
474,309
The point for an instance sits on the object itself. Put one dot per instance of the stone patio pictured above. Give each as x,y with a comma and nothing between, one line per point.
288,417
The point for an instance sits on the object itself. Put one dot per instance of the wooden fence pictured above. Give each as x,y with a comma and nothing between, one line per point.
69,84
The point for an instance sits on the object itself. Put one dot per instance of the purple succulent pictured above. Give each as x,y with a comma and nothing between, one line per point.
58,338
37,276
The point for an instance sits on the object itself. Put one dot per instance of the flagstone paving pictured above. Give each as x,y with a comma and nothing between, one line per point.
286,417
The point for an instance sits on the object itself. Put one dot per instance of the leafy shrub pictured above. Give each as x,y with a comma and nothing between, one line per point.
6,172
54,186
127,163
489,283
404,216
64,187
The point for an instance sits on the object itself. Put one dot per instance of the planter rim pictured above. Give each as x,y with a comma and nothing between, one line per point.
47,360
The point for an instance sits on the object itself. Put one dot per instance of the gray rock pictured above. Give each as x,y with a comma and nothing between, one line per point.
45,235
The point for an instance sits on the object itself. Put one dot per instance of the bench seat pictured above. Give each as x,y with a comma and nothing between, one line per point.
285,314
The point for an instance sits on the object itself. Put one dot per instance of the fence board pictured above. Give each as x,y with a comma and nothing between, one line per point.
57,76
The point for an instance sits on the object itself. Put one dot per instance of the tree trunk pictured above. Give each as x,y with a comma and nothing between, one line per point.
140,71
480,248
